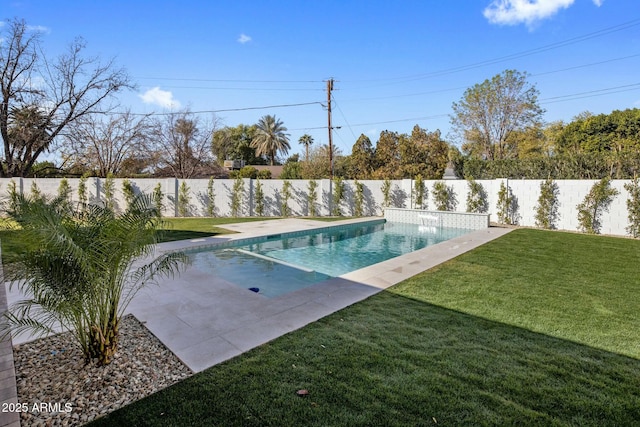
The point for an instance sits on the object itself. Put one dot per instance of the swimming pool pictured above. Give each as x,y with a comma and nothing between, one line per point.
275,265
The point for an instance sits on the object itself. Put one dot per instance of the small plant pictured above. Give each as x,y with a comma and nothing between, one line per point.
64,193
184,199
312,197
633,207
12,191
285,210
236,197
82,192
128,192
358,199
476,197
211,198
338,196
507,206
386,193
109,191
547,209
35,191
594,204
259,199
444,197
418,192
158,198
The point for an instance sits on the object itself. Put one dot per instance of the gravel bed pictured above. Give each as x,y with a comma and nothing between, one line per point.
60,390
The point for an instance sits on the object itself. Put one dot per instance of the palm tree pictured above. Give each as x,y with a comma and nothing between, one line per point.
79,270
270,138
306,140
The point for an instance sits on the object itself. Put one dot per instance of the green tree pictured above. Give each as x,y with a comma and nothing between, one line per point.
547,209
338,196
109,191
270,138
236,197
64,192
211,198
128,191
490,111
387,156
312,197
306,140
286,196
234,143
259,199
158,198
633,207
358,199
362,158
423,153
476,197
418,192
81,270
594,204
444,197
184,199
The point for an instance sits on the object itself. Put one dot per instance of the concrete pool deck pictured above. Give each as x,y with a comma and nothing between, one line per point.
205,320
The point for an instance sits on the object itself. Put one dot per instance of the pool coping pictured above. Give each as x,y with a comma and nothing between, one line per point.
206,320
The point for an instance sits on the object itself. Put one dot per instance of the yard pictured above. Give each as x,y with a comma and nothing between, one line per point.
535,328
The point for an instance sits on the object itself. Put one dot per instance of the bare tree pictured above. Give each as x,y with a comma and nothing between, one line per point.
183,143
109,143
61,91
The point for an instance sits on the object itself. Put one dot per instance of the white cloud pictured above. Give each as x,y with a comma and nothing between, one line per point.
244,38
160,97
39,29
513,12
598,2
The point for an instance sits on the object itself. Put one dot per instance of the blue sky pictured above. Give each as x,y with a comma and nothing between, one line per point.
395,64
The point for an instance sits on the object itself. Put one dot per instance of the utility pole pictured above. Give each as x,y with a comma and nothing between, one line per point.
329,128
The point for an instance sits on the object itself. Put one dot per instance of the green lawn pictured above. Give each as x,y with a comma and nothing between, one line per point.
193,228
535,328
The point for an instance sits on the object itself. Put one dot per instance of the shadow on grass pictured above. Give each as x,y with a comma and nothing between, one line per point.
173,235
393,360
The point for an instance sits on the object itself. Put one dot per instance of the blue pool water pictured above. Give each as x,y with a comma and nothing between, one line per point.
283,263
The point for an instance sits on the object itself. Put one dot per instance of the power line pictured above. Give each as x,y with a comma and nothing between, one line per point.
228,80
228,109
517,55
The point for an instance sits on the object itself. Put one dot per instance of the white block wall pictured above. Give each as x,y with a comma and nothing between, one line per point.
571,193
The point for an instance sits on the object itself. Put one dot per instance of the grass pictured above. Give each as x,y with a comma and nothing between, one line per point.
535,328
194,228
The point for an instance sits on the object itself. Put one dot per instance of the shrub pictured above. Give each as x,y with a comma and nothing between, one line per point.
259,199
64,193
477,198
285,210
594,204
82,192
633,207
418,192
358,199
128,191
81,269
312,197
264,174
236,197
444,197
547,208
109,191
338,196
211,198
184,199
386,193
157,198
507,206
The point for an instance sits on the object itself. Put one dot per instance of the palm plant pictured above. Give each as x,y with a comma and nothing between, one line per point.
80,270
270,138
306,140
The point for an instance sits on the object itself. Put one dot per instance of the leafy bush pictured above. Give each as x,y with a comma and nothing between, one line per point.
157,198
312,197
184,199
418,192
358,199
338,196
236,197
594,204
386,193
286,196
507,206
547,208
128,191
259,199
109,191
211,198
477,198
264,174
633,207
444,197
78,269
